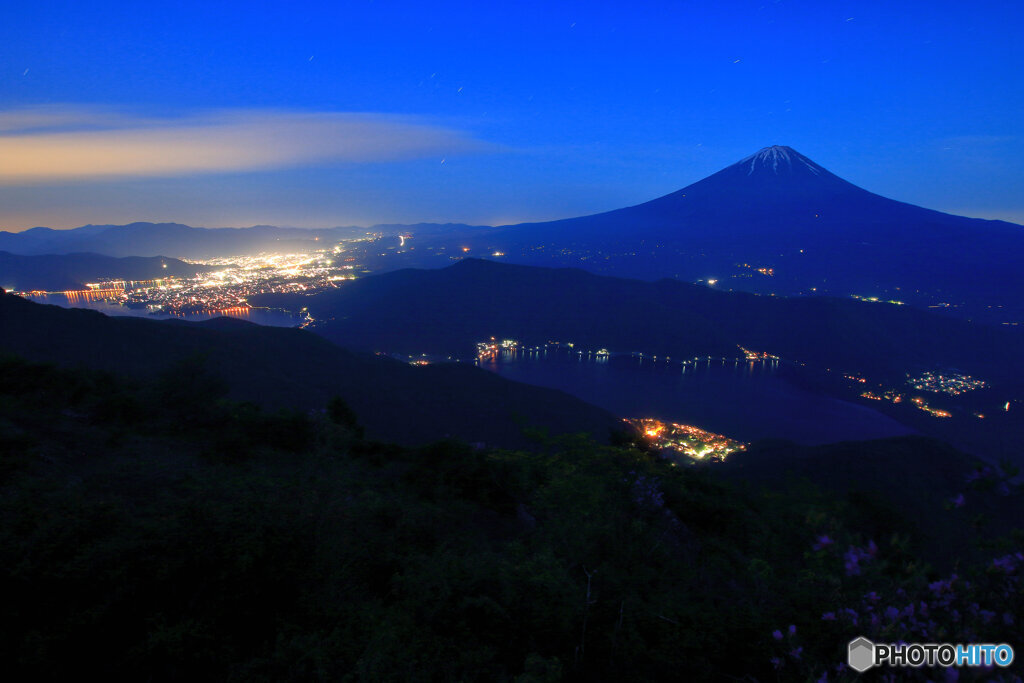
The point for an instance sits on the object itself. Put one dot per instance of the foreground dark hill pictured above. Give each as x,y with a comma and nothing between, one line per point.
446,311
278,367
779,210
914,474
53,273
141,539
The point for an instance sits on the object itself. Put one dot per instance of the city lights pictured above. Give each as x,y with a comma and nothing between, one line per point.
952,383
226,289
697,444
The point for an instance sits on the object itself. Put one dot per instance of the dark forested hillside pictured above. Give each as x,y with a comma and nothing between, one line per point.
146,538
277,367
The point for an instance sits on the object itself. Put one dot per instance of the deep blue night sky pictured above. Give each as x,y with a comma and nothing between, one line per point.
535,111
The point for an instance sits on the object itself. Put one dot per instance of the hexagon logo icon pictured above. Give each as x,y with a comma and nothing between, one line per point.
860,654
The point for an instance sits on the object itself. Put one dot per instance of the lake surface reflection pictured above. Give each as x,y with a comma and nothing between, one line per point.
260,316
745,400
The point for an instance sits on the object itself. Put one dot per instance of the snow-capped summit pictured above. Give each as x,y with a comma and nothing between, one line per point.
776,156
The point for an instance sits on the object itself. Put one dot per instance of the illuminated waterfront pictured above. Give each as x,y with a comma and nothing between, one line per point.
952,383
942,385
696,444
260,316
224,290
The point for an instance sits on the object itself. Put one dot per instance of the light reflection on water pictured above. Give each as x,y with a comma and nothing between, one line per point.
746,400
96,302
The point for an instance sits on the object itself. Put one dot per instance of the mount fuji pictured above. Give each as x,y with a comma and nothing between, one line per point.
777,222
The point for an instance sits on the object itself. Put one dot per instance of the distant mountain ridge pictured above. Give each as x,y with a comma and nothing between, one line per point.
153,239
184,241
74,271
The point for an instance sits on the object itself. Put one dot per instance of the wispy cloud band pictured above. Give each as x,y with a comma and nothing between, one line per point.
59,144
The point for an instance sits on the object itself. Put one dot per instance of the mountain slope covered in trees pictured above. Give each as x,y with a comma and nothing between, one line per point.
287,368
145,538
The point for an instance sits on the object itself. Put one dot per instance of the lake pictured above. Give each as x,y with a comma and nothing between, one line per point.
745,400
